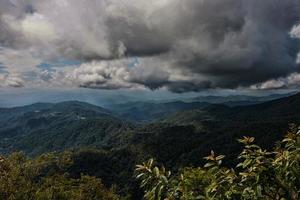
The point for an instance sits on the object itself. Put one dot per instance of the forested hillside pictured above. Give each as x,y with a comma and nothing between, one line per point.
100,143
260,174
42,128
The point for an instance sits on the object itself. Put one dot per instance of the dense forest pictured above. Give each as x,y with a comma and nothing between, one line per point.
260,174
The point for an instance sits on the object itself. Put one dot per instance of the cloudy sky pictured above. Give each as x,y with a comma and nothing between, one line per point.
179,46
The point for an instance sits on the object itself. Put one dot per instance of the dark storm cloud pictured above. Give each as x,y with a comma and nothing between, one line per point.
181,87
258,49
187,45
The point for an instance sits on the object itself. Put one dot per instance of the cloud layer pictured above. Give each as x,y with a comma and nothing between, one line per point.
180,45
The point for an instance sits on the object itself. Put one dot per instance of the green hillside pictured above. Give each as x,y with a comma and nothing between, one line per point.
146,112
108,147
44,128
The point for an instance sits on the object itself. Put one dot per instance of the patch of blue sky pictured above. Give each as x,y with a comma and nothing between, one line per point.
58,63
2,69
134,63
29,75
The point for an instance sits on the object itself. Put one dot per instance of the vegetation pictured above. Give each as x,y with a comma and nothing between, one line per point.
43,128
44,178
260,174
91,143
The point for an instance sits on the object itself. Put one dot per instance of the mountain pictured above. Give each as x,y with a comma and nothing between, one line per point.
286,109
104,144
40,128
45,127
149,111
184,138
220,126
239,100
152,110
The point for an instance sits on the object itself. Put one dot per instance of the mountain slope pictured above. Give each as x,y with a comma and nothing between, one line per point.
54,127
239,100
180,139
281,110
146,111
285,109
42,128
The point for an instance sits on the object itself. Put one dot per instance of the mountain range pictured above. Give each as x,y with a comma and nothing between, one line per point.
238,100
108,142
44,127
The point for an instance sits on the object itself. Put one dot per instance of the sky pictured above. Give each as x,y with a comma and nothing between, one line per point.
165,47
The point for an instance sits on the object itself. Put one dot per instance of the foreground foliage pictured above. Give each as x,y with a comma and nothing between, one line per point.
259,175
44,178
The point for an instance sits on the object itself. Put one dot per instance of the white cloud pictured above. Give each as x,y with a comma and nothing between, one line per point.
10,81
37,27
148,72
292,80
189,45
295,32
122,73
18,61
105,75
33,27
17,65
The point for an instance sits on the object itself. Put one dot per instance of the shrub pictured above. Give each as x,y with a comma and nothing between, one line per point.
259,175
44,178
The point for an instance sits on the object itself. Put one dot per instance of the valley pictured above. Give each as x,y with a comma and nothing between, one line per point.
109,143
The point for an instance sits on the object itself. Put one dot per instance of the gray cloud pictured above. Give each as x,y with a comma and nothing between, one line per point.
181,45
10,81
295,33
291,81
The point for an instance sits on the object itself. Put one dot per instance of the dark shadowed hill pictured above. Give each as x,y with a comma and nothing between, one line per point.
285,110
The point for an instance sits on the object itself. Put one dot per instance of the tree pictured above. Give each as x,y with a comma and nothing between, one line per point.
259,175
44,178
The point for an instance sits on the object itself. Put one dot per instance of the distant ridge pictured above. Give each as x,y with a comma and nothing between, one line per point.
239,100
286,109
44,127
149,111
